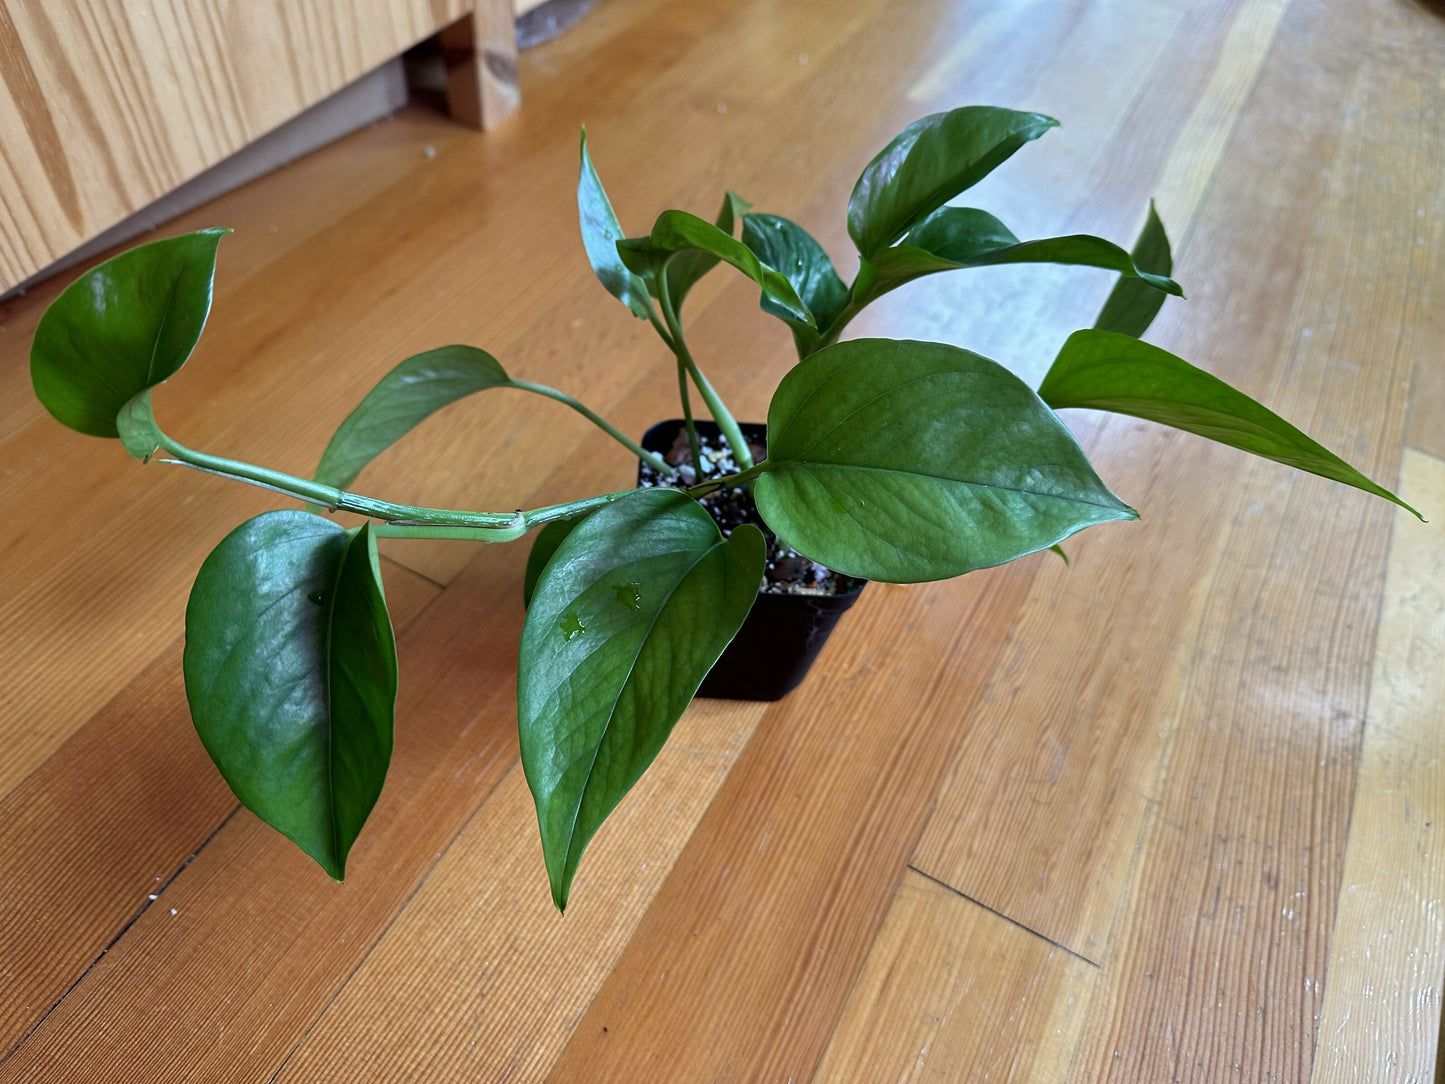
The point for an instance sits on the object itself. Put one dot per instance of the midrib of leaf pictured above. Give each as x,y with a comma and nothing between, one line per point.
960,481
612,712
330,727
235,646
156,342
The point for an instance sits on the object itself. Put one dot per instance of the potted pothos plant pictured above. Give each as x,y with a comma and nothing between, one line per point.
884,459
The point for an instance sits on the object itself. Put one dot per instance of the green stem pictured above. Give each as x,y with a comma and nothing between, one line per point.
304,489
698,465
851,309
657,462
730,481
523,522
720,413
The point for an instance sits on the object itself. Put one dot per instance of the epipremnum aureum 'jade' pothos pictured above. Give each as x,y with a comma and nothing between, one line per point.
887,459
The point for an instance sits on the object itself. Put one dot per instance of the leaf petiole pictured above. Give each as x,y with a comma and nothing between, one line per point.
731,481
726,423
652,458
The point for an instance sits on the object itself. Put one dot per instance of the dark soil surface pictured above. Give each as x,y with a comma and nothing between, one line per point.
788,572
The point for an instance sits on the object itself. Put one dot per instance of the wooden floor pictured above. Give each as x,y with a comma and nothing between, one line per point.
1168,813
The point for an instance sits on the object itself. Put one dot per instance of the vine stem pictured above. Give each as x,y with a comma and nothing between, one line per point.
694,446
850,309
401,520
726,424
730,481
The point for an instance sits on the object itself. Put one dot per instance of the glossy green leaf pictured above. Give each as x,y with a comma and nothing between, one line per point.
687,267
628,617
1131,307
1107,370
543,547
290,669
958,237
677,232
122,327
790,249
909,461
600,234
930,162
413,391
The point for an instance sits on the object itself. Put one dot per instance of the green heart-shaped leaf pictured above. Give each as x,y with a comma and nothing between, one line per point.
600,234
958,237
687,267
909,461
544,546
1106,370
677,232
290,669
413,391
122,327
627,618
1131,307
930,162
790,249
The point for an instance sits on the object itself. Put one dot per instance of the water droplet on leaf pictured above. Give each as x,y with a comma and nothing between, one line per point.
318,596
628,595
571,627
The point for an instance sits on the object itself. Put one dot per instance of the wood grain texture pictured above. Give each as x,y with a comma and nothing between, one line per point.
1069,792
954,992
1381,1013
480,978
1145,757
480,53
100,830
1220,946
106,107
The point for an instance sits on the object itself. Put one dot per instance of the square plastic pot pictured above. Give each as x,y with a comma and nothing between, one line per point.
783,633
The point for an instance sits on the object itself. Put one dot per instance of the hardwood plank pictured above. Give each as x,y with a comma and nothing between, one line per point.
480,977
798,855
1222,938
1093,643
952,991
1380,1019
91,838
252,912
1194,155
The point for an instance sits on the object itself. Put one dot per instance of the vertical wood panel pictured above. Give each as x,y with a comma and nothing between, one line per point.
105,107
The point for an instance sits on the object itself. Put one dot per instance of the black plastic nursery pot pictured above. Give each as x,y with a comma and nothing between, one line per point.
783,633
